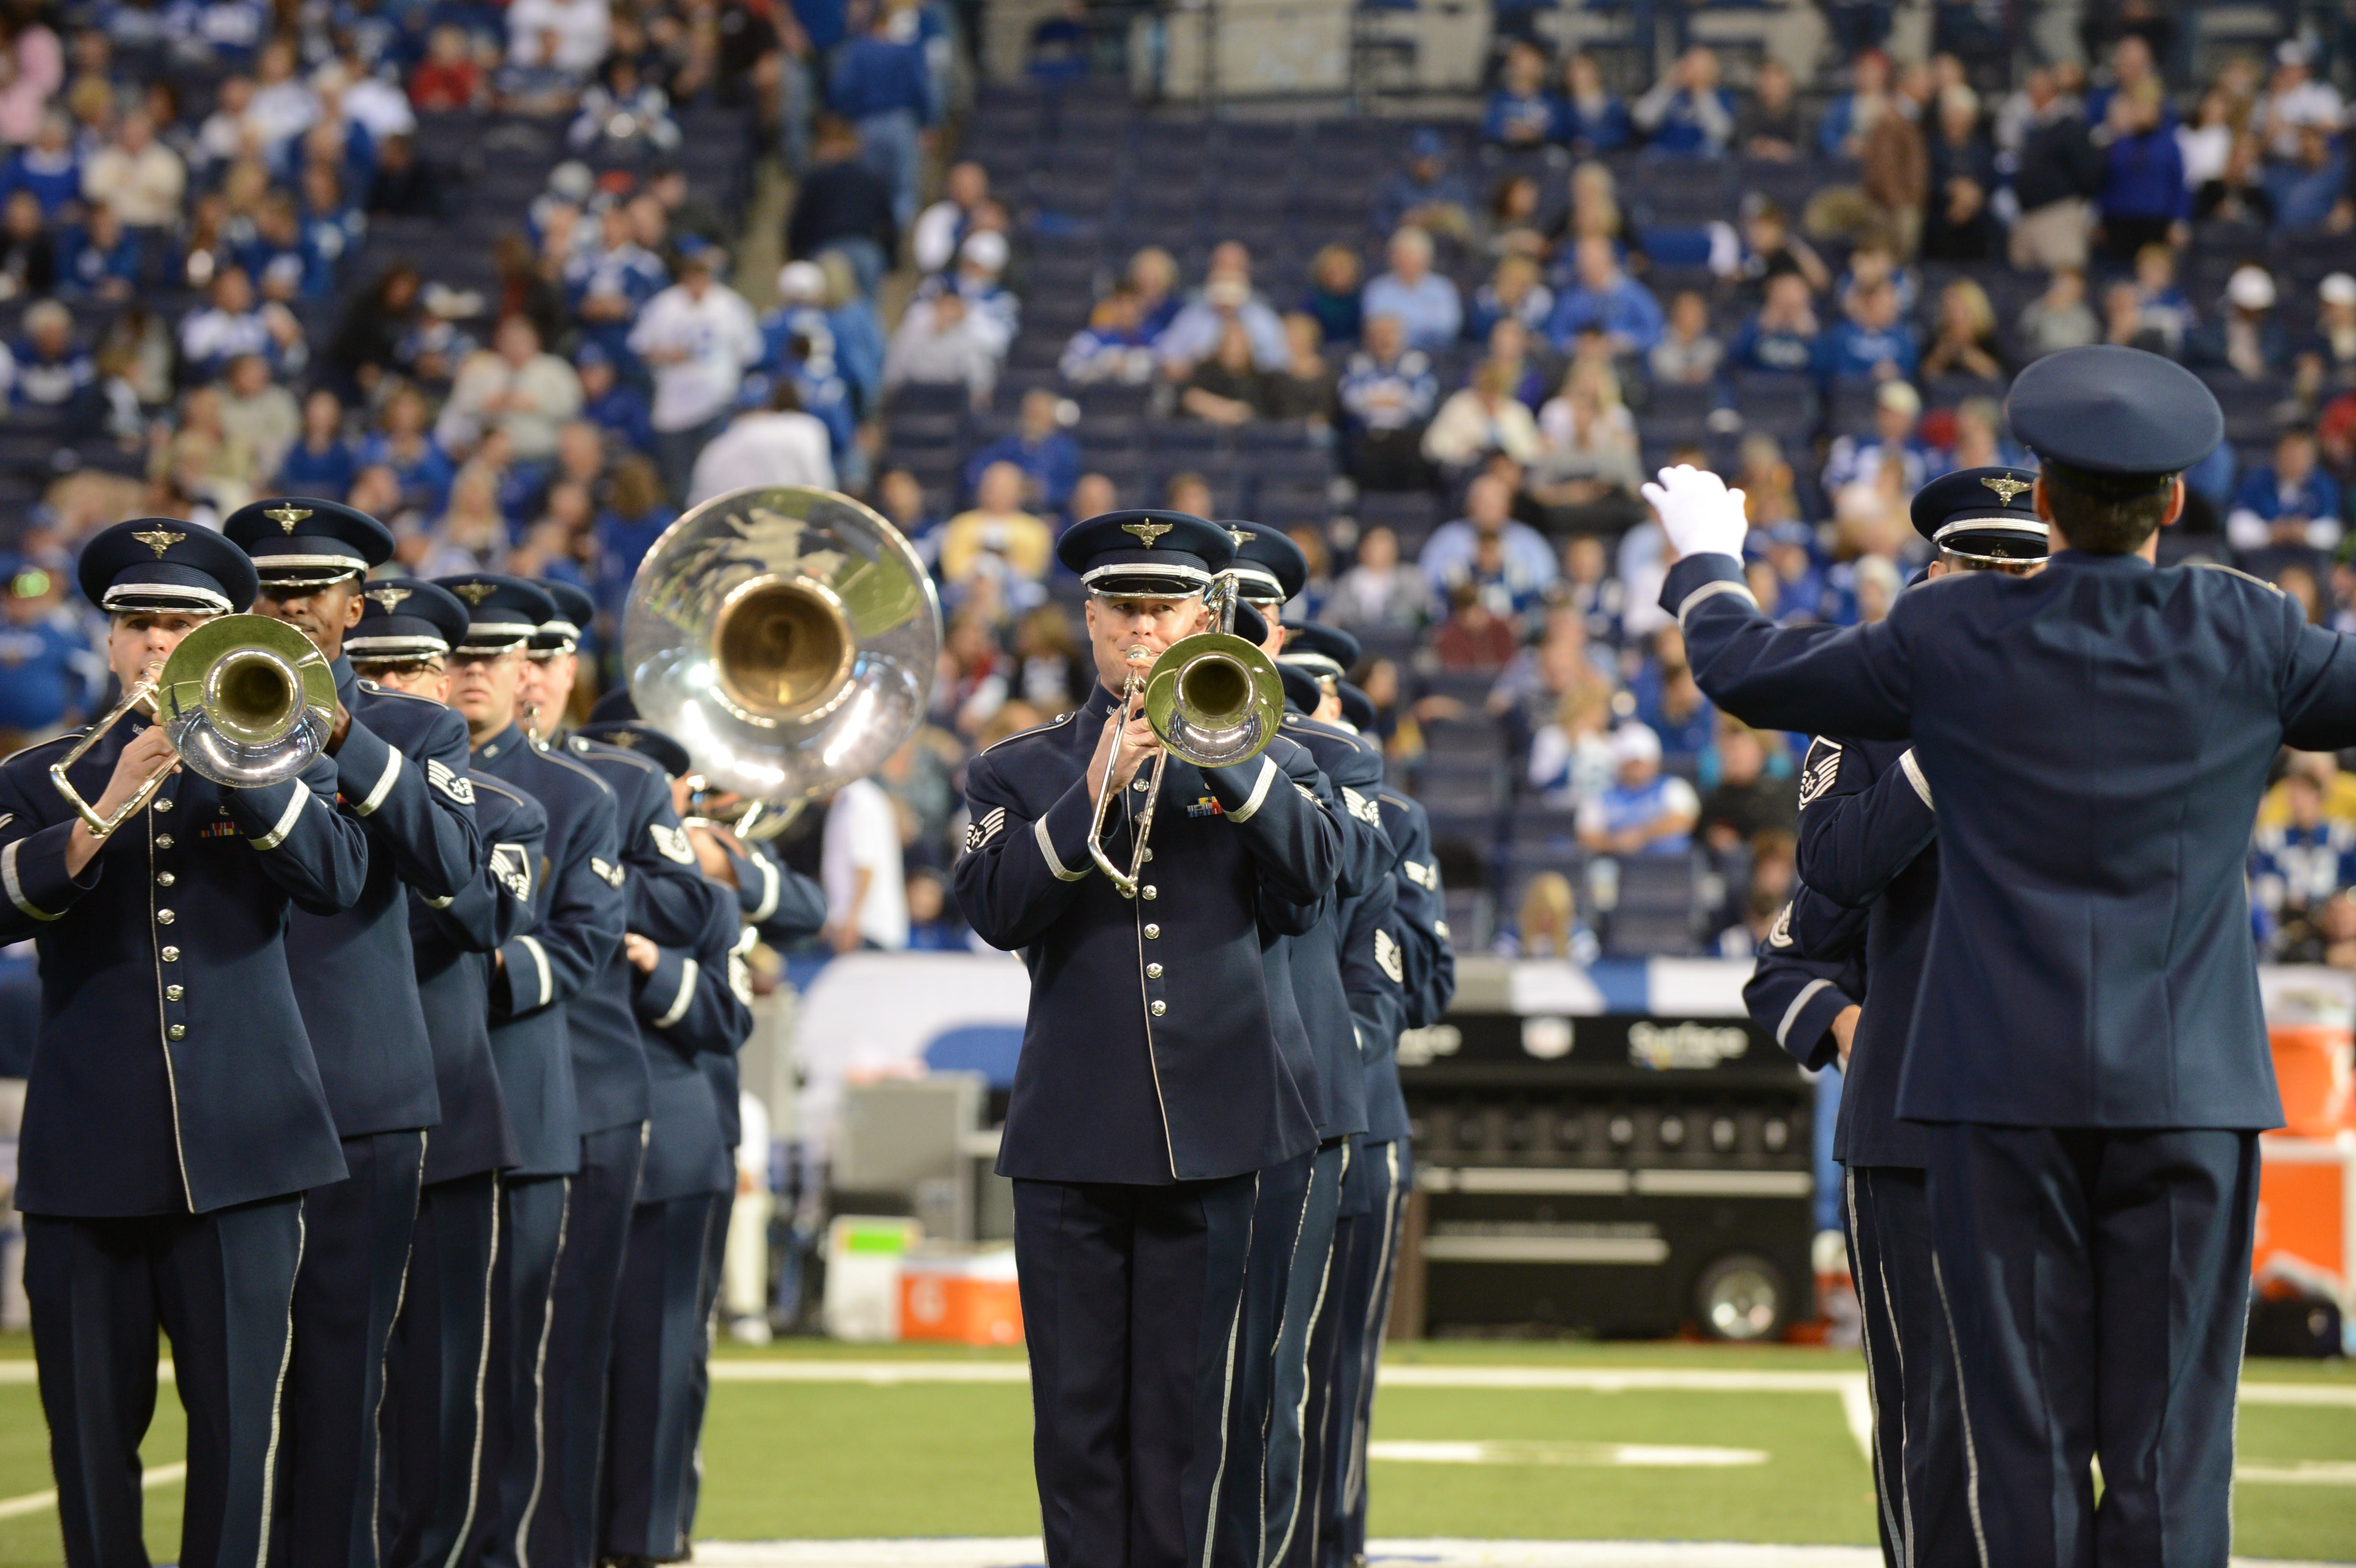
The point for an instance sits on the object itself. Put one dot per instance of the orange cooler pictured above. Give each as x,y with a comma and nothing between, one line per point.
2307,1213
969,1299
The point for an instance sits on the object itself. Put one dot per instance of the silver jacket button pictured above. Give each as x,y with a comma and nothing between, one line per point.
163,805
165,879
1152,932
1159,1007
178,1031
173,993
162,841
1151,892
1153,971
165,917
171,955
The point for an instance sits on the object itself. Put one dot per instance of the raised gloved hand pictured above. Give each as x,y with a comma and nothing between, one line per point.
1700,514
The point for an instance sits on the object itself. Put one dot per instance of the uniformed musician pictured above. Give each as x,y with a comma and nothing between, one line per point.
695,1003
1869,839
174,1119
668,901
2088,1046
441,1383
578,900
402,760
1149,1092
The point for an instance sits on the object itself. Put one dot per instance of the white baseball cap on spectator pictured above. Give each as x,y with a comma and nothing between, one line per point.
986,249
1899,395
573,181
2337,289
2251,288
1634,742
801,280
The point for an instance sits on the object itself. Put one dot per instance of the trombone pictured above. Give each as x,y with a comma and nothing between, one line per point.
244,700
1213,698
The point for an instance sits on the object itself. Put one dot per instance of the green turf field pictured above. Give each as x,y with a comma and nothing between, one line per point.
818,1458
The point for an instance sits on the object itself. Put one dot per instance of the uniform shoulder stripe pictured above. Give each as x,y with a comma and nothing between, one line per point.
586,772
374,690
2237,571
602,752
484,782
1055,723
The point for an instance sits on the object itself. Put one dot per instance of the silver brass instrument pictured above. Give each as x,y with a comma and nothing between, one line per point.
788,638
1213,698
244,700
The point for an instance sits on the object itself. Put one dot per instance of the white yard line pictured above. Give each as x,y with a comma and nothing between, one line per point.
1024,1552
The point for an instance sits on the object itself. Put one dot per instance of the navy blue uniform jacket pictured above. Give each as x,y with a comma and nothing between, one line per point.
453,939
578,908
668,903
172,1073
404,767
1149,1054
2096,738
696,1004
1416,930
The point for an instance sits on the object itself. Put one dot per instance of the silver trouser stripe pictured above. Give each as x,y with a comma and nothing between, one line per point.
482,1376
286,819
1707,591
1866,1332
278,1389
1260,786
1914,774
540,963
1039,832
1963,1408
540,1387
1228,1395
680,1004
768,904
16,889
384,786
1792,1013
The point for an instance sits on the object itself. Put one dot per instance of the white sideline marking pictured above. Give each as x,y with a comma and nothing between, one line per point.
1026,1552
2300,1473
41,1502
1545,1452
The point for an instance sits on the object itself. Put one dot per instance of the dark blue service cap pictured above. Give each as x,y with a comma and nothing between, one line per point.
1302,691
303,541
2115,421
1269,566
644,739
560,633
616,706
502,612
1983,512
404,619
1357,709
1319,648
1251,625
1146,554
164,565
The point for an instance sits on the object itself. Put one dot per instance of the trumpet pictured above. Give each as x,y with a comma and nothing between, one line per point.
244,700
1213,699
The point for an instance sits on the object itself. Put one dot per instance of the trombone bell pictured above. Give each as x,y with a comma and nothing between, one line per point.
1215,698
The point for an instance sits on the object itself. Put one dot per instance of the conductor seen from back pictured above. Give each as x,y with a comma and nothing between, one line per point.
1150,1089
2087,1045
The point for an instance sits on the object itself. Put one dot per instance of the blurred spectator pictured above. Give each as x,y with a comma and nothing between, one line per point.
996,541
1227,389
2301,862
978,278
513,387
612,404
141,180
2296,101
1482,418
1333,294
1425,302
2123,321
1521,112
1687,355
1893,180
28,257
1871,342
52,371
633,517
860,868
942,227
1227,296
1525,562
1592,120
1850,115
1474,636
2327,361
2057,172
1763,247
1642,811
1512,293
1379,589
843,205
2248,338
583,31
1571,759
1773,126
2304,190
1747,800
321,461
1668,701
2162,303
1588,474
1897,411
1604,298
1782,337
1547,925
1153,274
1114,346
2291,502
1039,446
1304,388
879,82
2223,160
49,677
2143,200
779,444
1686,112
698,337
2060,318
403,446
449,78
1052,672
260,412
1958,224
103,260
1965,340
1426,193
1389,393
622,119
47,168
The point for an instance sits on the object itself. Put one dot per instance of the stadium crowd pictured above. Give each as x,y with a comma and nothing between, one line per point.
1441,356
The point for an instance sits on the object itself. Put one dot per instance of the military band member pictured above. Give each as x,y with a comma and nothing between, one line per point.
668,901
2089,1046
1148,1093
441,1383
695,1006
403,763
579,903
174,1118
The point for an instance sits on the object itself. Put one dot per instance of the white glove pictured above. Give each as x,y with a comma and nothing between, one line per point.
1698,513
